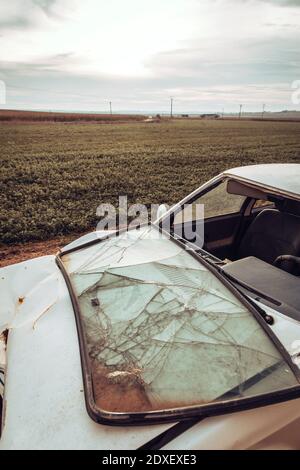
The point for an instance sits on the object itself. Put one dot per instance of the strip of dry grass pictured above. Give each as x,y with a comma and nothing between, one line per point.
35,116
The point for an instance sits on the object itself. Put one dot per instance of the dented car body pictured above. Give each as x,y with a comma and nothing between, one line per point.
141,339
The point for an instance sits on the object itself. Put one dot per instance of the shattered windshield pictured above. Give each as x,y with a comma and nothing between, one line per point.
162,331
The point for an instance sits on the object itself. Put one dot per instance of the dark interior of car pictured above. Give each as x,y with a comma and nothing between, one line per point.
259,246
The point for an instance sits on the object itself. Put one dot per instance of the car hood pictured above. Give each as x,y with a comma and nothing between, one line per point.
44,396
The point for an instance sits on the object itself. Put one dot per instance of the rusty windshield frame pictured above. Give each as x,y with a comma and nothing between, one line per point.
188,412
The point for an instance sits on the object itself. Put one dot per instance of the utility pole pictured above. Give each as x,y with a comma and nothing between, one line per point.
240,113
110,108
263,111
171,111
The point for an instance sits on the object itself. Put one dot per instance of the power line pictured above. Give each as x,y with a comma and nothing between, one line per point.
240,113
171,110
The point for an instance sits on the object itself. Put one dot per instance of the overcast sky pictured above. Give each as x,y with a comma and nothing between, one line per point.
207,54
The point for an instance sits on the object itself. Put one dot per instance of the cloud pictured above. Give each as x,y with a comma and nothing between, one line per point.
26,14
45,86
17,71
55,55
284,3
283,25
270,60
45,5
15,22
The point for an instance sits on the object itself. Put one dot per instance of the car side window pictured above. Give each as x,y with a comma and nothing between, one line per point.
262,204
216,202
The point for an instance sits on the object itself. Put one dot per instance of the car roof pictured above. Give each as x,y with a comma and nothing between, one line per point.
281,177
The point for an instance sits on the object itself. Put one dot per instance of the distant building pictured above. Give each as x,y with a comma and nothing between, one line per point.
210,116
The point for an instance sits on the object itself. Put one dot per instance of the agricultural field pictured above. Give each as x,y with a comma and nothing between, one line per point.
54,174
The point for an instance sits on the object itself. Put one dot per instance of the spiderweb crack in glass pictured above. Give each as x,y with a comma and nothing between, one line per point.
162,331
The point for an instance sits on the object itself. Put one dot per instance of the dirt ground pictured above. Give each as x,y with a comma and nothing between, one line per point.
22,252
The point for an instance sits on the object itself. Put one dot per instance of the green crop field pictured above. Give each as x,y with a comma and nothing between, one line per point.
54,175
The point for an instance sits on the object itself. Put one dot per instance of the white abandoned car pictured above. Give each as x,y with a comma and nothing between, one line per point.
146,341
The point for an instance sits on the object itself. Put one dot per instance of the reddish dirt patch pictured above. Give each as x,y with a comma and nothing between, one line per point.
125,395
22,252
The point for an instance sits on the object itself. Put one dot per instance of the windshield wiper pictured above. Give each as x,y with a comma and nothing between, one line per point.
180,428
268,318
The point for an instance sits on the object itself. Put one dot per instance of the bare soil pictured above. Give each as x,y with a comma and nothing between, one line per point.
12,254
124,396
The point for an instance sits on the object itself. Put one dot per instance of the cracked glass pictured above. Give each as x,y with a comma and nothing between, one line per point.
163,332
